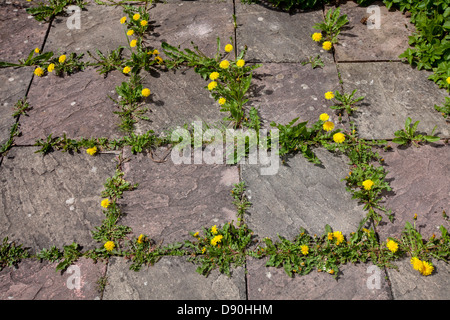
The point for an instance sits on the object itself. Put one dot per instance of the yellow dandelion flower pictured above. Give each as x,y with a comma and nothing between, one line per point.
339,137
109,246
392,246
122,20
214,229
145,92
324,117
214,75
62,58
130,32
228,47
195,234
144,23
127,69
339,237
368,184
212,85
105,203
317,36
140,239
427,268
331,271
91,151
224,64
217,239
329,95
133,43
39,72
448,80
240,63
203,250
327,45
416,263
222,101
328,126
136,17
37,50
330,236
304,249
51,67
159,60
155,52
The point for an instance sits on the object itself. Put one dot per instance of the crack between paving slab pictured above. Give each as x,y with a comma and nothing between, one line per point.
369,61
28,88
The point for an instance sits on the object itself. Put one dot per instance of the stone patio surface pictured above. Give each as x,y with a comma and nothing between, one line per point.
54,200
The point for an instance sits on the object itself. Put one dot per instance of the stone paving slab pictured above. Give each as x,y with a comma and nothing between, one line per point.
355,282
33,280
393,92
285,91
301,194
77,105
52,200
357,42
20,33
178,98
409,284
171,278
100,28
420,182
14,86
201,22
172,200
277,36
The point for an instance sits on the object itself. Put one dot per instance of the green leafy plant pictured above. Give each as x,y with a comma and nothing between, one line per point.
11,254
130,103
221,248
46,11
53,254
347,102
71,253
332,25
445,108
408,135
314,61
39,60
107,63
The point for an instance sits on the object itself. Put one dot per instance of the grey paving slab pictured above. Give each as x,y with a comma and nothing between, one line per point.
77,105
171,278
301,194
34,280
200,22
174,199
14,86
420,182
360,41
100,29
52,200
285,91
178,97
277,36
409,284
20,33
355,282
393,92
